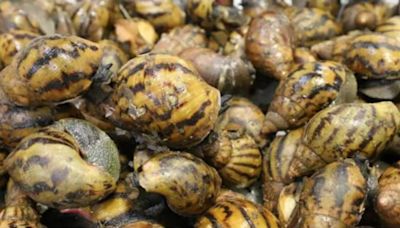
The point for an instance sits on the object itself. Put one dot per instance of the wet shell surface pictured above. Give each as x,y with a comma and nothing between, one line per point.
12,42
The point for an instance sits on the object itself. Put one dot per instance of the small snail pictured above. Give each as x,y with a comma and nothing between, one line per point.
269,44
136,36
163,97
234,210
307,90
229,74
51,69
179,39
387,196
364,15
66,165
12,42
189,185
312,25
334,196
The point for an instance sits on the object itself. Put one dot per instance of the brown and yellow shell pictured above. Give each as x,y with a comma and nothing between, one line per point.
12,42
235,45
374,56
243,116
331,6
364,15
307,90
13,17
92,18
51,69
234,210
229,74
254,8
163,97
179,39
112,54
142,224
66,165
288,204
269,44
163,14
312,25
386,200
334,196
136,36
236,158
390,27
303,55
189,185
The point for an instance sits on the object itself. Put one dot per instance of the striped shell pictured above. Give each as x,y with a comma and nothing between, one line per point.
233,210
189,185
312,25
334,196
162,96
12,42
331,6
51,69
237,159
307,90
269,44
390,27
374,56
387,198
68,164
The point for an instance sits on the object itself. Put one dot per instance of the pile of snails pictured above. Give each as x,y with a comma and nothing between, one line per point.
199,113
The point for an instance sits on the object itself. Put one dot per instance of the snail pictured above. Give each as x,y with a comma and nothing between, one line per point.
334,196
234,210
374,60
163,97
228,74
19,210
386,200
307,90
51,69
269,44
189,185
179,39
364,15
136,36
162,14
12,42
69,164
312,25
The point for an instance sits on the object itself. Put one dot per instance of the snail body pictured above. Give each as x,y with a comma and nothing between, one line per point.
307,90
163,97
38,167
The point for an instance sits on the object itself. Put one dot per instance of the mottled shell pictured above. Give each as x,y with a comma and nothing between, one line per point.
12,42
331,6
237,159
189,185
312,25
303,55
390,27
163,96
19,217
91,18
51,69
243,116
229,74
307,90
374,56
334,196
388,195
136,36
343,130
269,44
233,210
179,39
163,14
68,164
14,17
364,15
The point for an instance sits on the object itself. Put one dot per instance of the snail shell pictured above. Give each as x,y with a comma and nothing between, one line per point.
234,210
51,69
307,90
38,164
303,55
334,196
179,39
237,159
162,96
269,44
12,42
390,27
364,15
331,6
189,185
